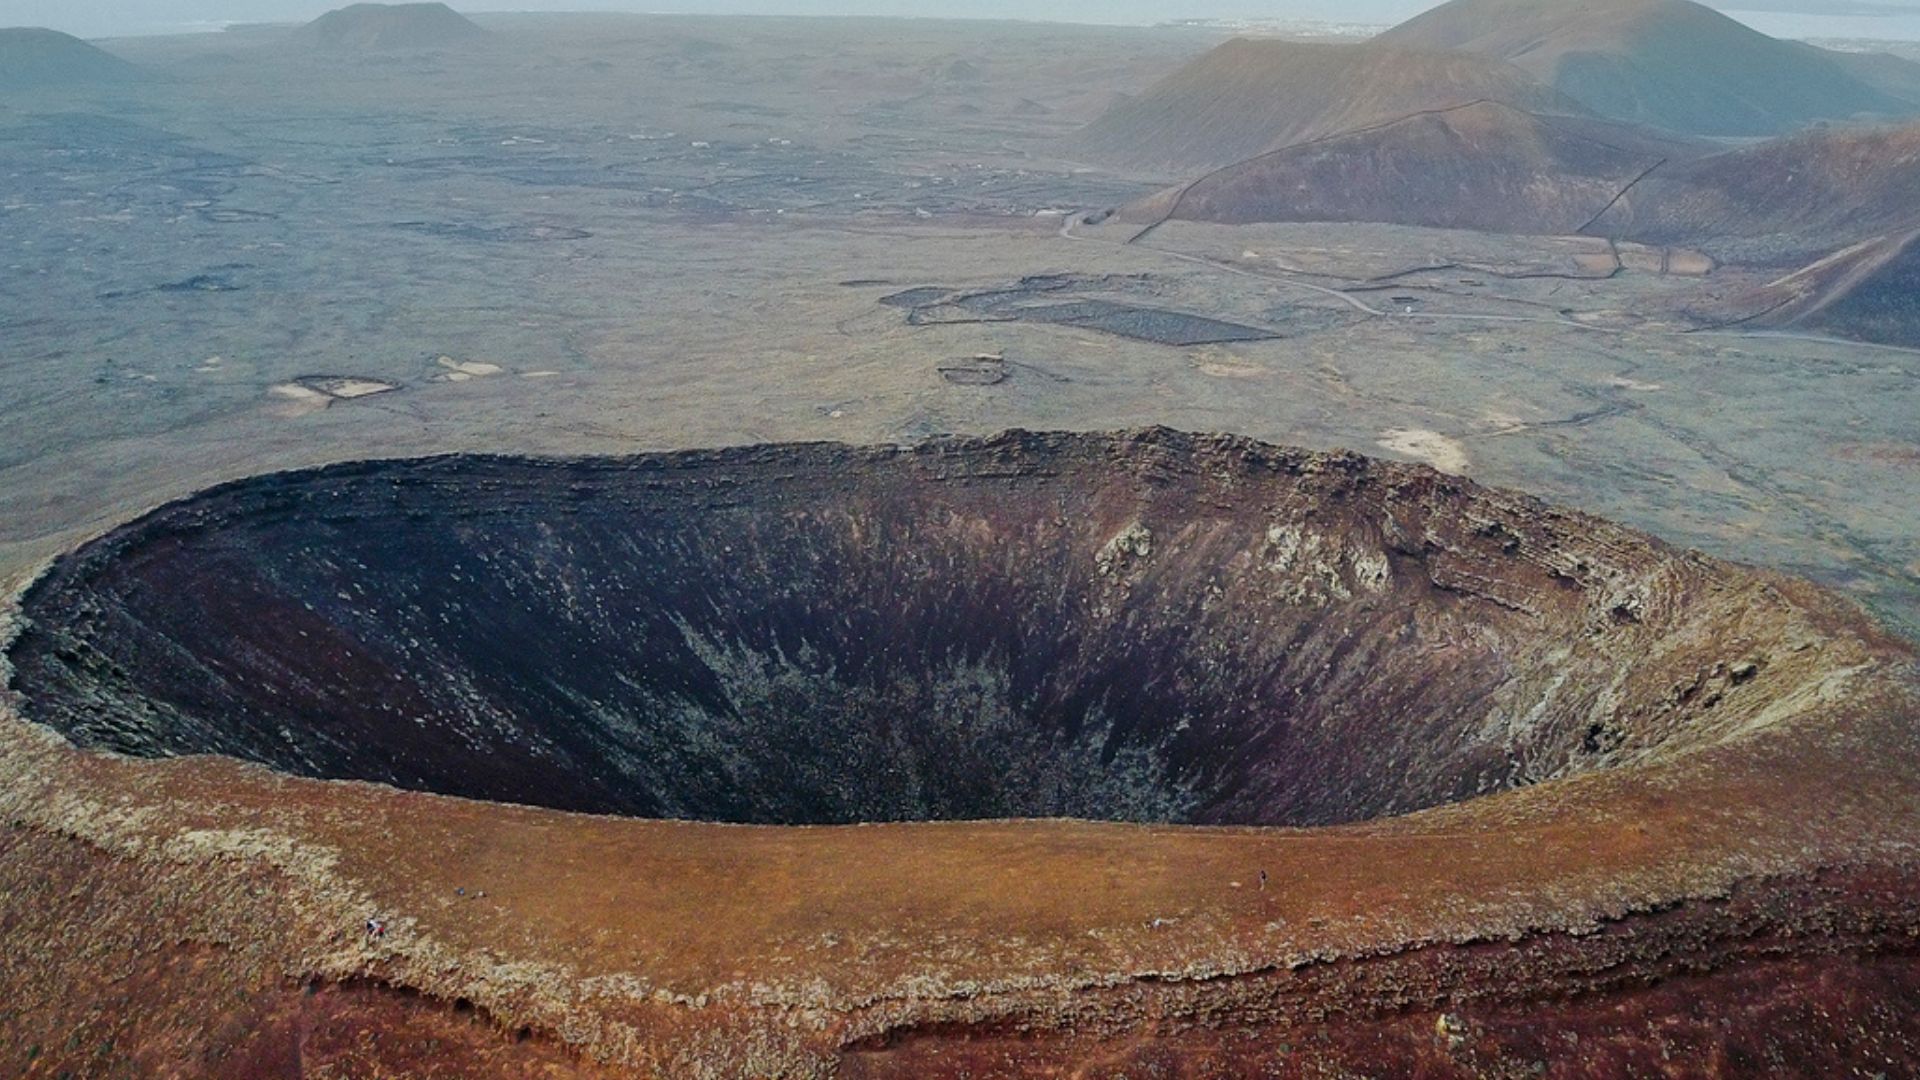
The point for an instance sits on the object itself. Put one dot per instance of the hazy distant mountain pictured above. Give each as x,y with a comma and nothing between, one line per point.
1487,166
1248,97
380,27
1817,7
1672,63
31,59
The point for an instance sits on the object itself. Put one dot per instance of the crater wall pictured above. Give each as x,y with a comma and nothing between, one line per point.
1153,627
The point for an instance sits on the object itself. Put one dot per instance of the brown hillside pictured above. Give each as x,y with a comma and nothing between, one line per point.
1827,188
1484,166
1671,63
1249,97
1494,168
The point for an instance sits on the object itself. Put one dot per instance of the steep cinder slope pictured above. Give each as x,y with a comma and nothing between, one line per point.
1881,305
1249,97
379,27
1671,63
1485,166
1868,291
32,59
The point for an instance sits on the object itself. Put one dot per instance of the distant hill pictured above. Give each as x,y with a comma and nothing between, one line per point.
1670,63
1828,188
1249,97
32,59
1485,166
385,27
1494,168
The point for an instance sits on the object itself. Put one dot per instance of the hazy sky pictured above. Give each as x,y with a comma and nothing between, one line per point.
100,17
97,18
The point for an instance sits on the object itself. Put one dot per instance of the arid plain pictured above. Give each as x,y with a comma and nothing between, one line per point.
666,232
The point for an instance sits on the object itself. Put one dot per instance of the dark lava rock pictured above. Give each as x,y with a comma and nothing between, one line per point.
201,283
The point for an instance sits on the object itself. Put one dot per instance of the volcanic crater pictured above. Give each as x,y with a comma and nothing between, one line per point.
1151,630
1568,764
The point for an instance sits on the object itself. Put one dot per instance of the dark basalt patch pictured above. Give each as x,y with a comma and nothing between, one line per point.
209,283
983,370
1148,627
1061,300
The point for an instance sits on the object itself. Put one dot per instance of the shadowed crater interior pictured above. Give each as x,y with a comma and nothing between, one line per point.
1149,626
